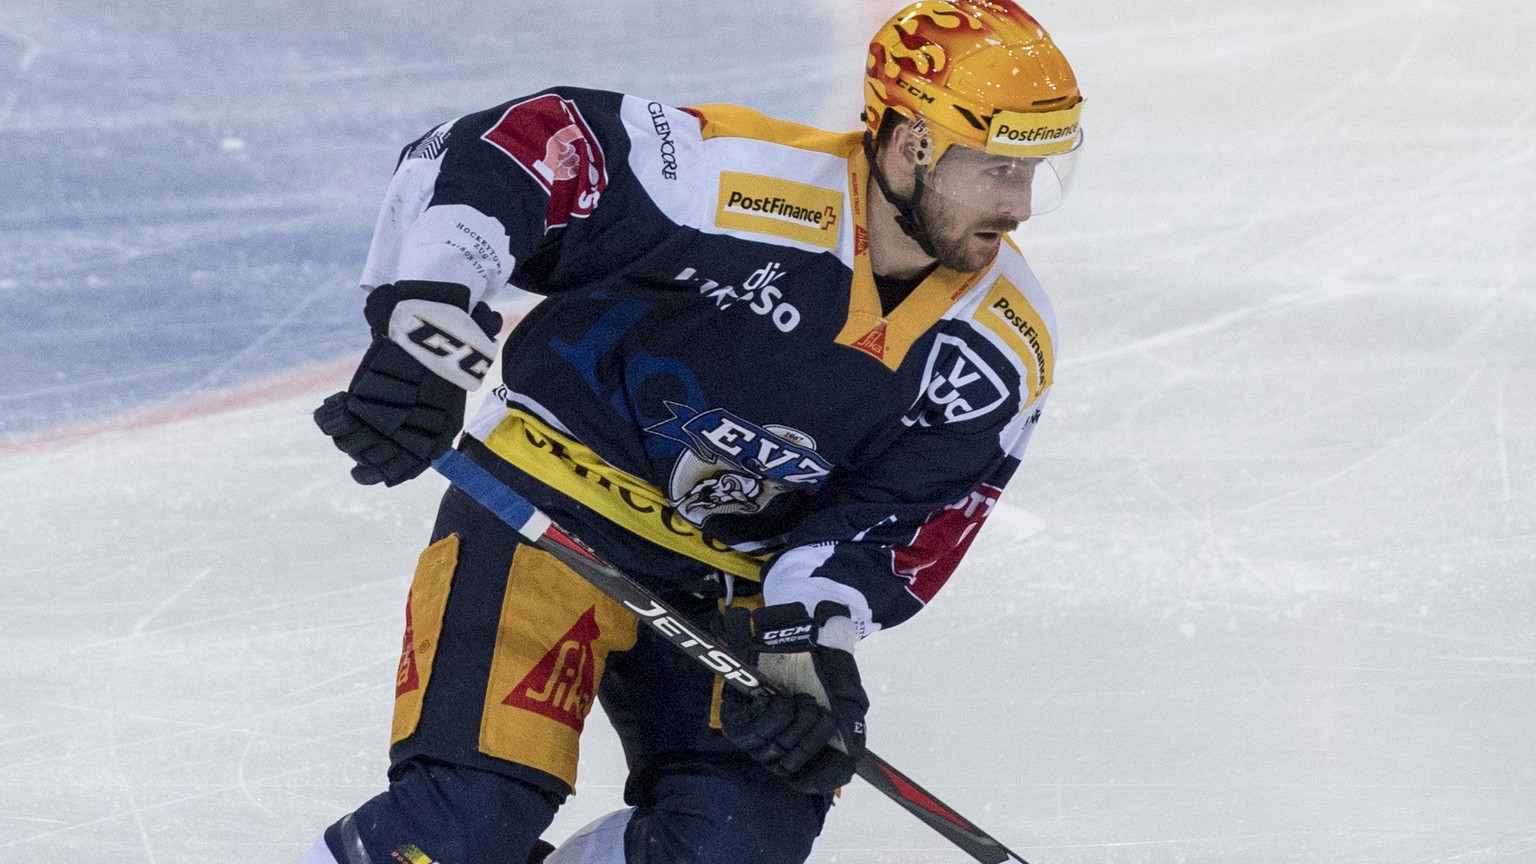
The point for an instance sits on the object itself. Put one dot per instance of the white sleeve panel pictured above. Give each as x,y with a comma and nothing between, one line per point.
410,190
791,580
445,243
819,172
457,243
666,155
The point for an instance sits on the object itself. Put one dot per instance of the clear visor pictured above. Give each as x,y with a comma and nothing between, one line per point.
1008,187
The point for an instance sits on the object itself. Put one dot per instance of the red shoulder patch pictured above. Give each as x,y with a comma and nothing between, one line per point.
549,139
931,558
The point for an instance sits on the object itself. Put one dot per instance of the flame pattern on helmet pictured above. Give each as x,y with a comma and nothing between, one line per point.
956,63
928,57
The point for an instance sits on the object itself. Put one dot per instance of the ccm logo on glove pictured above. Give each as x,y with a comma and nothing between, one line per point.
790,634
445,339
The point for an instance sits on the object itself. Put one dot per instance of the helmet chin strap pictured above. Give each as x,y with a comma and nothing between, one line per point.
906,209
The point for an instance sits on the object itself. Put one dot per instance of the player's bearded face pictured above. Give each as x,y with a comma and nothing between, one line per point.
970,201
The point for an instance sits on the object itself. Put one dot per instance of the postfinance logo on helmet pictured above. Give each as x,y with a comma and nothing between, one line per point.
978,73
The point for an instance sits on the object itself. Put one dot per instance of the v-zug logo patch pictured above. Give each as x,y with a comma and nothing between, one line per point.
957,386
734,466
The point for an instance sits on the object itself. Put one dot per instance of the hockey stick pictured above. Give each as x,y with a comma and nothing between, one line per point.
544,534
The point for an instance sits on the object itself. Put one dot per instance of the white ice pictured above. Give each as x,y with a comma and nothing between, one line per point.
1263,591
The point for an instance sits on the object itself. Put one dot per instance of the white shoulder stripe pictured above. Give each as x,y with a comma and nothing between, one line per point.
740,187
666,155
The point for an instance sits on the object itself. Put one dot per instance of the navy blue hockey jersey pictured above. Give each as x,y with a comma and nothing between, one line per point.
710,383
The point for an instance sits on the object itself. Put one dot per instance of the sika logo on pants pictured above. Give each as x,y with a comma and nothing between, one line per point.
553,638
562,685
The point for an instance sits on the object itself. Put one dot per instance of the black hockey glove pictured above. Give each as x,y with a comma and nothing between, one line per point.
812,732
406,402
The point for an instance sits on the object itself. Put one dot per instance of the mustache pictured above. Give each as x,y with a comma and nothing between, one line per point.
999,226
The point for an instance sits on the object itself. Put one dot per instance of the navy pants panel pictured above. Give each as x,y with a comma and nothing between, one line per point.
723,812
450,813
659,700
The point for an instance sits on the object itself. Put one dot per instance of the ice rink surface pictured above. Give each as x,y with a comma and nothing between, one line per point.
1262,592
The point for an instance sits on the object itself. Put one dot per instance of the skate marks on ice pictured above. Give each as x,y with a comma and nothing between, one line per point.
1261,593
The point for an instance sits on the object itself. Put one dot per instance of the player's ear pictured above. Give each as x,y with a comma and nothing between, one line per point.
898,155
907,140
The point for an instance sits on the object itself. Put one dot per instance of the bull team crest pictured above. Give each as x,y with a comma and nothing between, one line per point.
730,465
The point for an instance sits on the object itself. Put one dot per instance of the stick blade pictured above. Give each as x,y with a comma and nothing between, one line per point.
956,828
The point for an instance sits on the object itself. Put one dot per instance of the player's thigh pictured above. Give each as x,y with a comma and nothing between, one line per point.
698,798
504,651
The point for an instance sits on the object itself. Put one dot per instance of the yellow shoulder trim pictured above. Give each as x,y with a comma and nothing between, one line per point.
734,121
1009,314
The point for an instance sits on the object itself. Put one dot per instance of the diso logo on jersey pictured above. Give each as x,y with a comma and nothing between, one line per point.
783,208
1006,313
758,290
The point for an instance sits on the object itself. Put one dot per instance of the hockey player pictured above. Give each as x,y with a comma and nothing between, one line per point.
779,375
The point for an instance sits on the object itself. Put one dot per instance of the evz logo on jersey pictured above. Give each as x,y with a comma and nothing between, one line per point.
957,386
731,465
549,139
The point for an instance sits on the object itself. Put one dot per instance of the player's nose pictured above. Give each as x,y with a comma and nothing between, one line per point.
1017,204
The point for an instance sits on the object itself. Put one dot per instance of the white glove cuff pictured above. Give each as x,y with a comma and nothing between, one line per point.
838,632
445,339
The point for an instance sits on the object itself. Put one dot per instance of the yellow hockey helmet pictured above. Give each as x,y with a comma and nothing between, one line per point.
983,73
